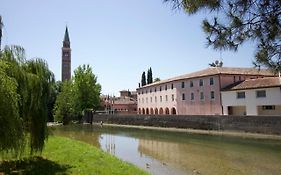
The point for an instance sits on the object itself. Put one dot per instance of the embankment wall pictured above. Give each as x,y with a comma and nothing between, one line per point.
253,124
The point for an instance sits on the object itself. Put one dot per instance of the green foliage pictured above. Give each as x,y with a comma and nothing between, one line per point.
54,91
1,27
157,79
217,63
81,94
11,130
65,102
66,156
86,89
33,79
237,21
143,79
149,76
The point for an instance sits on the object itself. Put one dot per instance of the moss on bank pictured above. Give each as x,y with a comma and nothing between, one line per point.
66,156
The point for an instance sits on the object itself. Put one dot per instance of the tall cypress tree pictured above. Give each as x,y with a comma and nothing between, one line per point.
143,79
150,76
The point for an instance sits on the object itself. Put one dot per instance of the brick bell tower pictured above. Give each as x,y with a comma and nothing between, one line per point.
66,58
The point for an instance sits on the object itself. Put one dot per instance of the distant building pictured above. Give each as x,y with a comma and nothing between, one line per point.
125,104
260,96
197,93
66,58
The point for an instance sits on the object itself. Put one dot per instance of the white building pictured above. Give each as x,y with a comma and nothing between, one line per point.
260,96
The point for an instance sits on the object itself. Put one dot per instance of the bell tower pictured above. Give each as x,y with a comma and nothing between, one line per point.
66,58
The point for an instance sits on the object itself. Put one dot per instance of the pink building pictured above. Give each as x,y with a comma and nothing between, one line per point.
197,93
125,104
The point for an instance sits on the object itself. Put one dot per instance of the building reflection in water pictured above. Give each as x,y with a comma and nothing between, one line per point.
167,153
85,136
109,143
196,157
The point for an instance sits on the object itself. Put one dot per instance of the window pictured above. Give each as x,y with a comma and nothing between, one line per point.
240,95
160,98
155,99
192,96
142,100
150,90
239,78
141,92
150,99
183,96
234,79
211,81
182,84
146,100
160,88
202,96
212,95
200,82
155,89
173,98
172,86
166,87
191,84
260,93
268,107
166,97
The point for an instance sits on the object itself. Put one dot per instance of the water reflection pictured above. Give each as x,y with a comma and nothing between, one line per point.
180,153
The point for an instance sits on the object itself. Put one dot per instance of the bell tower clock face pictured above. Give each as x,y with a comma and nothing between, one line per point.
66,54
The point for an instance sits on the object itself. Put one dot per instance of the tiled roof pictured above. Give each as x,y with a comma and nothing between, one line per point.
265,82
214,71
126,100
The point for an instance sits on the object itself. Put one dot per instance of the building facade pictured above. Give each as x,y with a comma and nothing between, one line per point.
197,93
253,97
66,58
125,104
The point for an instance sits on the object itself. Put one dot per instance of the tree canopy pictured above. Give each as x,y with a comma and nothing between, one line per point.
86,89
78,95
216,63
157,79
27,84
143,79
238,21
149,76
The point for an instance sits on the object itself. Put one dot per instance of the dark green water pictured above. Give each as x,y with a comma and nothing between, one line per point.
165,153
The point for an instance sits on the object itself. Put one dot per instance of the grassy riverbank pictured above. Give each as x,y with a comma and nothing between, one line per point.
66,156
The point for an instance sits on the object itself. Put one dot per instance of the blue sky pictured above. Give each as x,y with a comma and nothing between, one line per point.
119,39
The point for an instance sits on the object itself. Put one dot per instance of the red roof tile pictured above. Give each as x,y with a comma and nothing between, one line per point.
214,71
265,82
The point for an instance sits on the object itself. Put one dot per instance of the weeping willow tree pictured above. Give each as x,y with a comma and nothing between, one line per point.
31,90
11,129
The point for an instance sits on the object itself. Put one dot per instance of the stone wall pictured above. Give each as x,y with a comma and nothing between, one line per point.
253,124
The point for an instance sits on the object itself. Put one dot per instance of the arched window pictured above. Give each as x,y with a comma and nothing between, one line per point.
161,111
143,111
173,111
156,111
151,111
167,111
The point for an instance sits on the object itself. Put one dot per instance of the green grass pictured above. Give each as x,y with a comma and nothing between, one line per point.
66,156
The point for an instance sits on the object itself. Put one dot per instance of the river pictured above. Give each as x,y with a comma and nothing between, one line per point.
178,153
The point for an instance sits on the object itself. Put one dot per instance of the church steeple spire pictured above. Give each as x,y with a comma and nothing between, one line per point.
66,36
